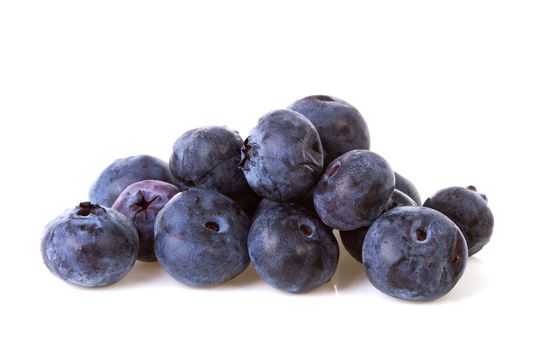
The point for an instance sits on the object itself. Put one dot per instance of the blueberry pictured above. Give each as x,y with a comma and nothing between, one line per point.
414,253
263,205
201,238
291,249
406,186
340,126
282,157
400,199
354,190
248,200
90,246
469,210
353,240
123,172
208,157
140,203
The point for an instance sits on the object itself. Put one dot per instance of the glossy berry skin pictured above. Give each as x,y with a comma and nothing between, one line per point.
354,190
414,253
140,203
400,199
406,186
291,249
469,210
208,157
201,238
90,246
339,124
123,172
282,156
353,240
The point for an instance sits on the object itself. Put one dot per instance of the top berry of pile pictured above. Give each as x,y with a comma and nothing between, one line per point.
273,199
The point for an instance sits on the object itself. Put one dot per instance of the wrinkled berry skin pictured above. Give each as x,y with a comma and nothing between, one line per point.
140,203
123,172
201,238
90,246
406,186
469,210
354,190
291,249
339,124
414,253
282,156
208,157
353,240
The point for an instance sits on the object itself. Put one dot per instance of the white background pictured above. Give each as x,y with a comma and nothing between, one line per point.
447,88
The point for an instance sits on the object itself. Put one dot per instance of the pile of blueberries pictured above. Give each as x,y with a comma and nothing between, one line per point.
273,199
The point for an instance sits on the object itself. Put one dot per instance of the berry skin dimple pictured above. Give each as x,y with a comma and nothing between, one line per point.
201,238
291,249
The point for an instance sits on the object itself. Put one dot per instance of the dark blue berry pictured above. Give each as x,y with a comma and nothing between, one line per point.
282,156
354,190
406,186
414,253
469,210
248,200
339,124
400,199
291,249
90,246
208,157
125,171
201,238
353,241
